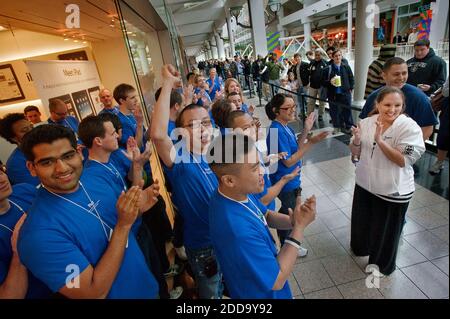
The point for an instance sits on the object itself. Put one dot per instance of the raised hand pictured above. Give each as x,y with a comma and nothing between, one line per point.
170,74
309,122
138,116
318,137
149,197
295,173
378,131
303,214
356,132
251,108
128,206
131,145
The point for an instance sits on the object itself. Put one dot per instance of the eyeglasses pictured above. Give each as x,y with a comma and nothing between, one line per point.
51,161
291,108
60,114
196,124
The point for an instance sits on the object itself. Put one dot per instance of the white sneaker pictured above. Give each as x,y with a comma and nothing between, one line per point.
436,167
373,269
336,130
181,253
176,292
302,252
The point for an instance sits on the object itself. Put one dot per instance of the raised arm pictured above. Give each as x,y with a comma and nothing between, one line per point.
161,114
95,283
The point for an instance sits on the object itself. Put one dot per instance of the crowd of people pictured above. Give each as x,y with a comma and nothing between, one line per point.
81,215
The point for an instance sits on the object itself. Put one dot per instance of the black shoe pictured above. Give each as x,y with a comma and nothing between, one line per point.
346,130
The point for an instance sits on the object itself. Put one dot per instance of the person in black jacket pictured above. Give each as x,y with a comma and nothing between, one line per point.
330,51
316,68
426,70
301,73
339,91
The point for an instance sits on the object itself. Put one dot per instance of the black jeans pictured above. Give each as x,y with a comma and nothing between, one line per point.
288,200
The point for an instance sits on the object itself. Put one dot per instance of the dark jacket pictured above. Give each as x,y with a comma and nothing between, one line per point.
347,80
304,72
315,73
430,70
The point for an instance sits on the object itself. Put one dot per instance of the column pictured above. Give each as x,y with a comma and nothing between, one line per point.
363,46
214,48
439,20
307,32
220,49
256,10
349,27
280,28
230,33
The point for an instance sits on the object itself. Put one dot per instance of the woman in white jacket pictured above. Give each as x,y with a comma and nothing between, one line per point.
387,144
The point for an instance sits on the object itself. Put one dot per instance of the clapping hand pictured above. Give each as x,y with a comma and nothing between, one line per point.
303,214
356,132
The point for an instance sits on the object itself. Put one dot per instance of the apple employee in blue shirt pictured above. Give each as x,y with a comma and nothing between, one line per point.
192,181
239,223
12,128
15,281
77,238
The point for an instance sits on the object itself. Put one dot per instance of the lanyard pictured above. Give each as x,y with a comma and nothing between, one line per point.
129,121
113,171
204,173
92,206
19,208
258,215
288,131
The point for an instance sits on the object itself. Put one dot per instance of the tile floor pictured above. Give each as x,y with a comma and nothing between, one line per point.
331,271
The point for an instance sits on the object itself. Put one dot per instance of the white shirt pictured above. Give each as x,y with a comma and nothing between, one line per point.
374,171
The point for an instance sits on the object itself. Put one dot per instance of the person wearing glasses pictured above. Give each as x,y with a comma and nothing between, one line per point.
77,237
281,110
15,281
59,115
12,128
192,180
387,144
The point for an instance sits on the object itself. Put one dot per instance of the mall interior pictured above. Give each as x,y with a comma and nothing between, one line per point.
72,52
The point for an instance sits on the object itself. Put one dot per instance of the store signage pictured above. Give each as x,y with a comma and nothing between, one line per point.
73,19
75,82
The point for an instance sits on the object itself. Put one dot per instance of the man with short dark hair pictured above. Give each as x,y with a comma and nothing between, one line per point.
13,127
130,115
239,223
77,238
33,114
59,115
426,70
418,106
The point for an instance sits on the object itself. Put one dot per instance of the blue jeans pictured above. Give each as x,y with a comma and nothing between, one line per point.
209,288
288,200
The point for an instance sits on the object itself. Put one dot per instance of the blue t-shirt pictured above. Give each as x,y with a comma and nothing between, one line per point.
418,106
111,178
59,239
16,167
244,108
193,183
267,183
114,110
170,127
129,128
287,142
121,162
244,248
20,201
69,122
200,101
214,87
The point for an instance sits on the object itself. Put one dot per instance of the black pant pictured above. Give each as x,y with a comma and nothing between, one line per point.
178,230
288,200
376,228
341,116
145,241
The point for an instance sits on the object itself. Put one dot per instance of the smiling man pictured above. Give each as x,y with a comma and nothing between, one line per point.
76,238
418,106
